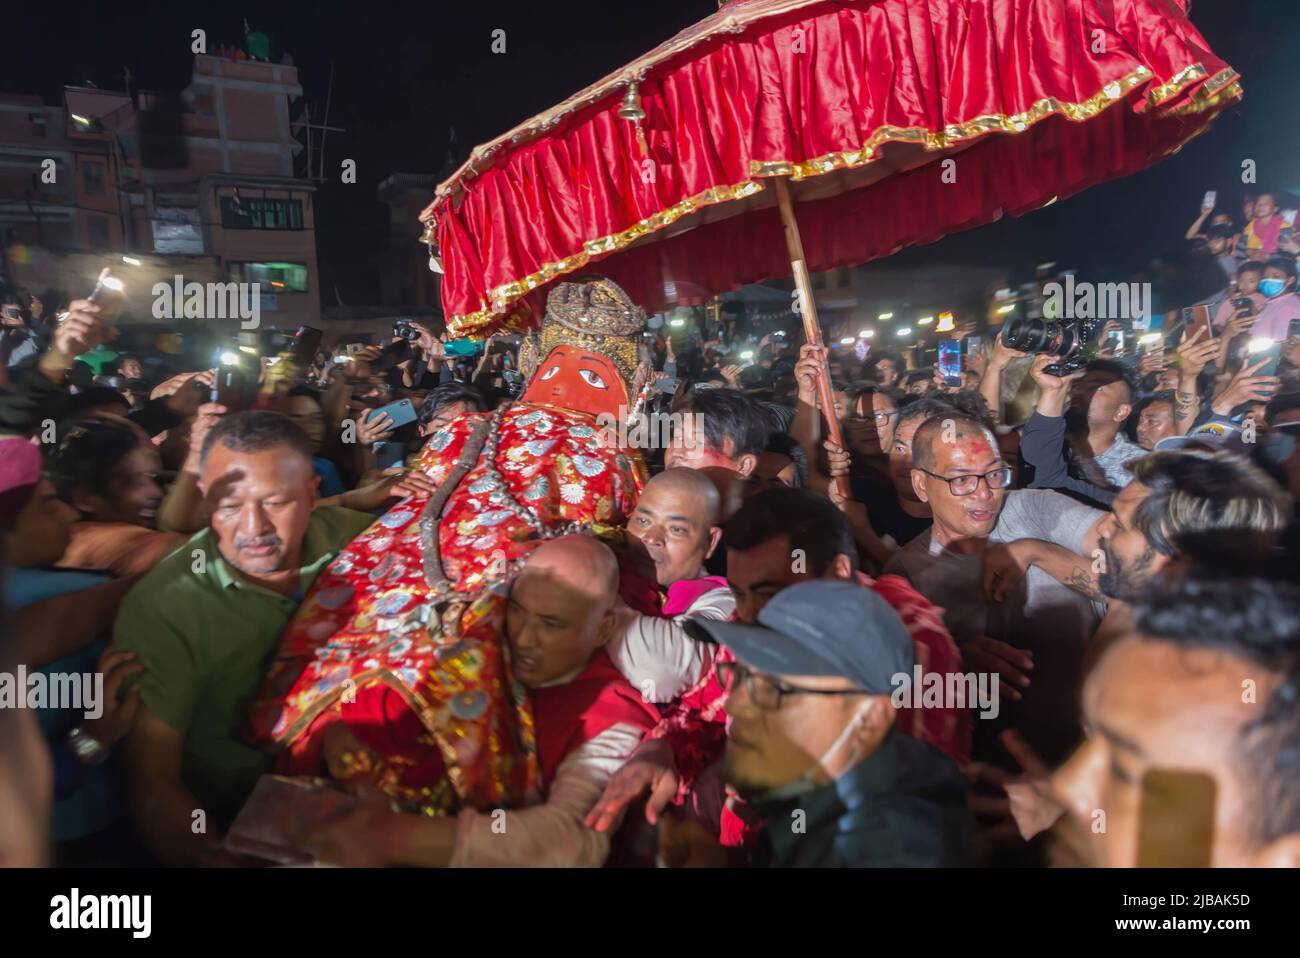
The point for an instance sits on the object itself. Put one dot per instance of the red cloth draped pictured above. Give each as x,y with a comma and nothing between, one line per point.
577,711
1034,99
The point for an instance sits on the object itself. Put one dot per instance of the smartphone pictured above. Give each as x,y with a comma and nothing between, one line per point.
1244,303
1175,819
306,341
667,386
389,454
1150,343
974,345
401,412
462,347
1115,340
109,294
1197,317
1293,329
1274,356
392,355
1211,197
950,362
229,387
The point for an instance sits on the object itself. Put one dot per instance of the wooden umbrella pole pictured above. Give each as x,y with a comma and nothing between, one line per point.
808,310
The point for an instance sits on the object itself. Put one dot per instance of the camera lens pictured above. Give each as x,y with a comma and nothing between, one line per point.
1026,335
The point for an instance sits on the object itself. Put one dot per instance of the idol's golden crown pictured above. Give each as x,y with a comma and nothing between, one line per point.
595,313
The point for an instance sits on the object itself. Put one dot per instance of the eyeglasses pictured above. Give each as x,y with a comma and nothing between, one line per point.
965,485
764,691
880,418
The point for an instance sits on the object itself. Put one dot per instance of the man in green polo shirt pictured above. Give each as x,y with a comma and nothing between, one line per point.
206,621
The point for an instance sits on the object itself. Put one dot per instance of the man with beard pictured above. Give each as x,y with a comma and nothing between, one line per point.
205,621
1185,508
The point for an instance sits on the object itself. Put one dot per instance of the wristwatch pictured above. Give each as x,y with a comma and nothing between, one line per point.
86,747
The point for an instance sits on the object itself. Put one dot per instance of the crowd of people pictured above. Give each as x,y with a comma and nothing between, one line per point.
728,666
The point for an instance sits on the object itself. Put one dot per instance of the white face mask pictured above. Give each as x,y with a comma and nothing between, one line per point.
806,782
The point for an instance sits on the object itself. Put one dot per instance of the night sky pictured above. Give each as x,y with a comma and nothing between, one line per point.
405,75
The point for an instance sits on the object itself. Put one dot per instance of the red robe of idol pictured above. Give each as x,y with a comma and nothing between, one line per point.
455,727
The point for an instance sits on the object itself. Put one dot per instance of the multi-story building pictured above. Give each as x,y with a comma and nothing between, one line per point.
200,185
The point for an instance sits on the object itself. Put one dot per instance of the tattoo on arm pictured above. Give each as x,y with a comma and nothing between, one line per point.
1081,580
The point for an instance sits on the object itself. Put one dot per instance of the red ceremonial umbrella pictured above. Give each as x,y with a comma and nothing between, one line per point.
879,124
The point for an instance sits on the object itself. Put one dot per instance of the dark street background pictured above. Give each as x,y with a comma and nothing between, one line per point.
405,75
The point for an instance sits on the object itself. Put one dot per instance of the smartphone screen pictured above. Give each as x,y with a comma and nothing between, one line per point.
1273,355
974,345
1210,198
950,361
667,386
229,387
306,341
1293,329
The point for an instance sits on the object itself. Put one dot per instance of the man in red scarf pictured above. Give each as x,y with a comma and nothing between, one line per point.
558,616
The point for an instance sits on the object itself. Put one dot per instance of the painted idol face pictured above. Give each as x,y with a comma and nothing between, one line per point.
573,378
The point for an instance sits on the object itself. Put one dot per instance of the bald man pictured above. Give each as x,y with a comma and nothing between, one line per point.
676,525
587,720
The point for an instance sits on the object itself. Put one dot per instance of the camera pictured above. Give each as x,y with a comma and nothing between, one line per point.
402,329
1065,338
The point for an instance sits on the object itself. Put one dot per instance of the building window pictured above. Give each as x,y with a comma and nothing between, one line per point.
274,277
97,232
246,213
93,176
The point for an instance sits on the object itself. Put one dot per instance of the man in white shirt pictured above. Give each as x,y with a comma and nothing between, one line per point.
1035,636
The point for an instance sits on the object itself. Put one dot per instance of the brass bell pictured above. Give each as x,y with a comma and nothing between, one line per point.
631,108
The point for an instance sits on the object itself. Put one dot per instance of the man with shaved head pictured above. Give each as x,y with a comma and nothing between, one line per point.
674,528
1033,636
561,609
587,718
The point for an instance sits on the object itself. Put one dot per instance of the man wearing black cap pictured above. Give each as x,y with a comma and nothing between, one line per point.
812,745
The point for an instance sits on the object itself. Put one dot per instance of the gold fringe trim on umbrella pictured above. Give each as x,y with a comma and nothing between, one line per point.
1219,89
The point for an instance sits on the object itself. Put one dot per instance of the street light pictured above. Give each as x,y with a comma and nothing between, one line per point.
925,320
847,341
867,333
905,331
884,316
